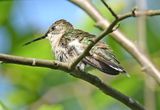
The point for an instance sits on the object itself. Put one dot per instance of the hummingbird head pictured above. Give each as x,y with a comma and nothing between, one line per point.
60,26
57,28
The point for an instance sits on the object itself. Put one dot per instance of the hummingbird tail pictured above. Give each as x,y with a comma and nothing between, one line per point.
36,39
106,67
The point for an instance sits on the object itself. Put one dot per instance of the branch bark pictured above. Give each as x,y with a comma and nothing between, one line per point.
147,66
128,101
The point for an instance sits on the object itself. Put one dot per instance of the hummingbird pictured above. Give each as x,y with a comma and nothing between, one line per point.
68,43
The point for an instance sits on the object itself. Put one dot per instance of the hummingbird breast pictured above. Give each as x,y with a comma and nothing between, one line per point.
79,47
54,39
67,53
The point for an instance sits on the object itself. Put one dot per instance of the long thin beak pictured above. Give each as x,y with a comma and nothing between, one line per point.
36,39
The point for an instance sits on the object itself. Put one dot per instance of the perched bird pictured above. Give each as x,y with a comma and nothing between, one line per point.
68,43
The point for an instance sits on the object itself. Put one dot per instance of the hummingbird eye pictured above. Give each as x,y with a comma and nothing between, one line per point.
53,27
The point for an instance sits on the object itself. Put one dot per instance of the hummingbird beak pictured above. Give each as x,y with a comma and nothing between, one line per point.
36,39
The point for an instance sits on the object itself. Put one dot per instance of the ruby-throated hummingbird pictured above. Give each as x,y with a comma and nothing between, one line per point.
68,43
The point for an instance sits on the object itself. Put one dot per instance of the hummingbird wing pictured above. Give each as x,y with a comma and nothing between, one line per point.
103,59
101,56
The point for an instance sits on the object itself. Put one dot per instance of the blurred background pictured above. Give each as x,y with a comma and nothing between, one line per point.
30,88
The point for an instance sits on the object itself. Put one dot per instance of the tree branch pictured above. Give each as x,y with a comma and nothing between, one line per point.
4,58
131,103
148,66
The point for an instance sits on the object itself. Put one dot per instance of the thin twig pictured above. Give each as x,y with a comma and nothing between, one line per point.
116,27
79,74
110,9
135,13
